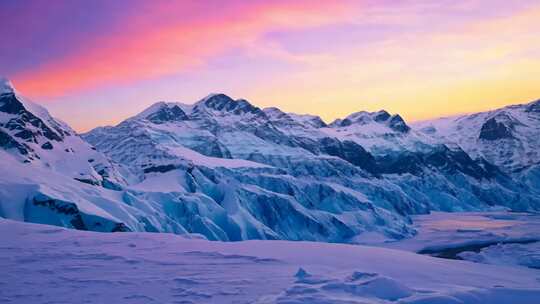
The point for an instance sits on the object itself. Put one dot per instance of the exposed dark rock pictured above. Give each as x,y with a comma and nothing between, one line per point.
453,161
349,151
87,181
57,205
381,116
10,104
161,169
120,227
394,122
78,223
47,146
317,122
494,130
7,142
107,184
441,158
165,114
398,124
222,102
345,122
400,163
77,219
534,107
27,135
490,169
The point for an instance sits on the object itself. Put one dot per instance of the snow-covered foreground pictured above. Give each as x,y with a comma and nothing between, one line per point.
46,264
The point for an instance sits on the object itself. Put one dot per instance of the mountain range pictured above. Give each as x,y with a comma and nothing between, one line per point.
225,169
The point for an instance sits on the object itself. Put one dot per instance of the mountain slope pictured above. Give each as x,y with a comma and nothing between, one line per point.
229,170
163,187
507,137
377,154
31,135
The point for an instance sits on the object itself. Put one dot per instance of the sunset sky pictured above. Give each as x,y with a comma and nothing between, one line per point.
98,62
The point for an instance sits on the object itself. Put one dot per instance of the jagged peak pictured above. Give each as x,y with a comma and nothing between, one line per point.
365,116
162,111
162,106
18,103
394,122
13,103
533,106
26,117
397,123
213,98
381,115
167,113
214,95
225,104
6,87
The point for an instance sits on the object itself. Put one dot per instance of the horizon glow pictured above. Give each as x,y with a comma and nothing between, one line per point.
94,63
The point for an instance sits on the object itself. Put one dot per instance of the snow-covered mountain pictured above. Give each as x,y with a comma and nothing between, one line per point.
507,137
229,170
31,135
163,186
49,174
377,154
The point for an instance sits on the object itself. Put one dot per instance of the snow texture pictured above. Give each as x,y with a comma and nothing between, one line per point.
230,171
49,264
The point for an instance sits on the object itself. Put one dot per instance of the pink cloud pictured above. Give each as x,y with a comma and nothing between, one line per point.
167,40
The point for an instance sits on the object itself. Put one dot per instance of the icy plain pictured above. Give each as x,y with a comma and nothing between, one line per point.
47,264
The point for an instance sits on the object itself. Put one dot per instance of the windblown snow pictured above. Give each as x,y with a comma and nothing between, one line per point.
47,264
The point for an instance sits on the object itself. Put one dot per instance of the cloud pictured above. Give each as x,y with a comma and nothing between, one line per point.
162,42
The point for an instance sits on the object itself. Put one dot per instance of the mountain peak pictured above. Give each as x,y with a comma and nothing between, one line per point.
162,111
223,103
398,124
6,87
534,106
381,115
362,118
167,113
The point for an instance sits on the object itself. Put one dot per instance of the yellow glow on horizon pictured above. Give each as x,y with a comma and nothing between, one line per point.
478,67
414,102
